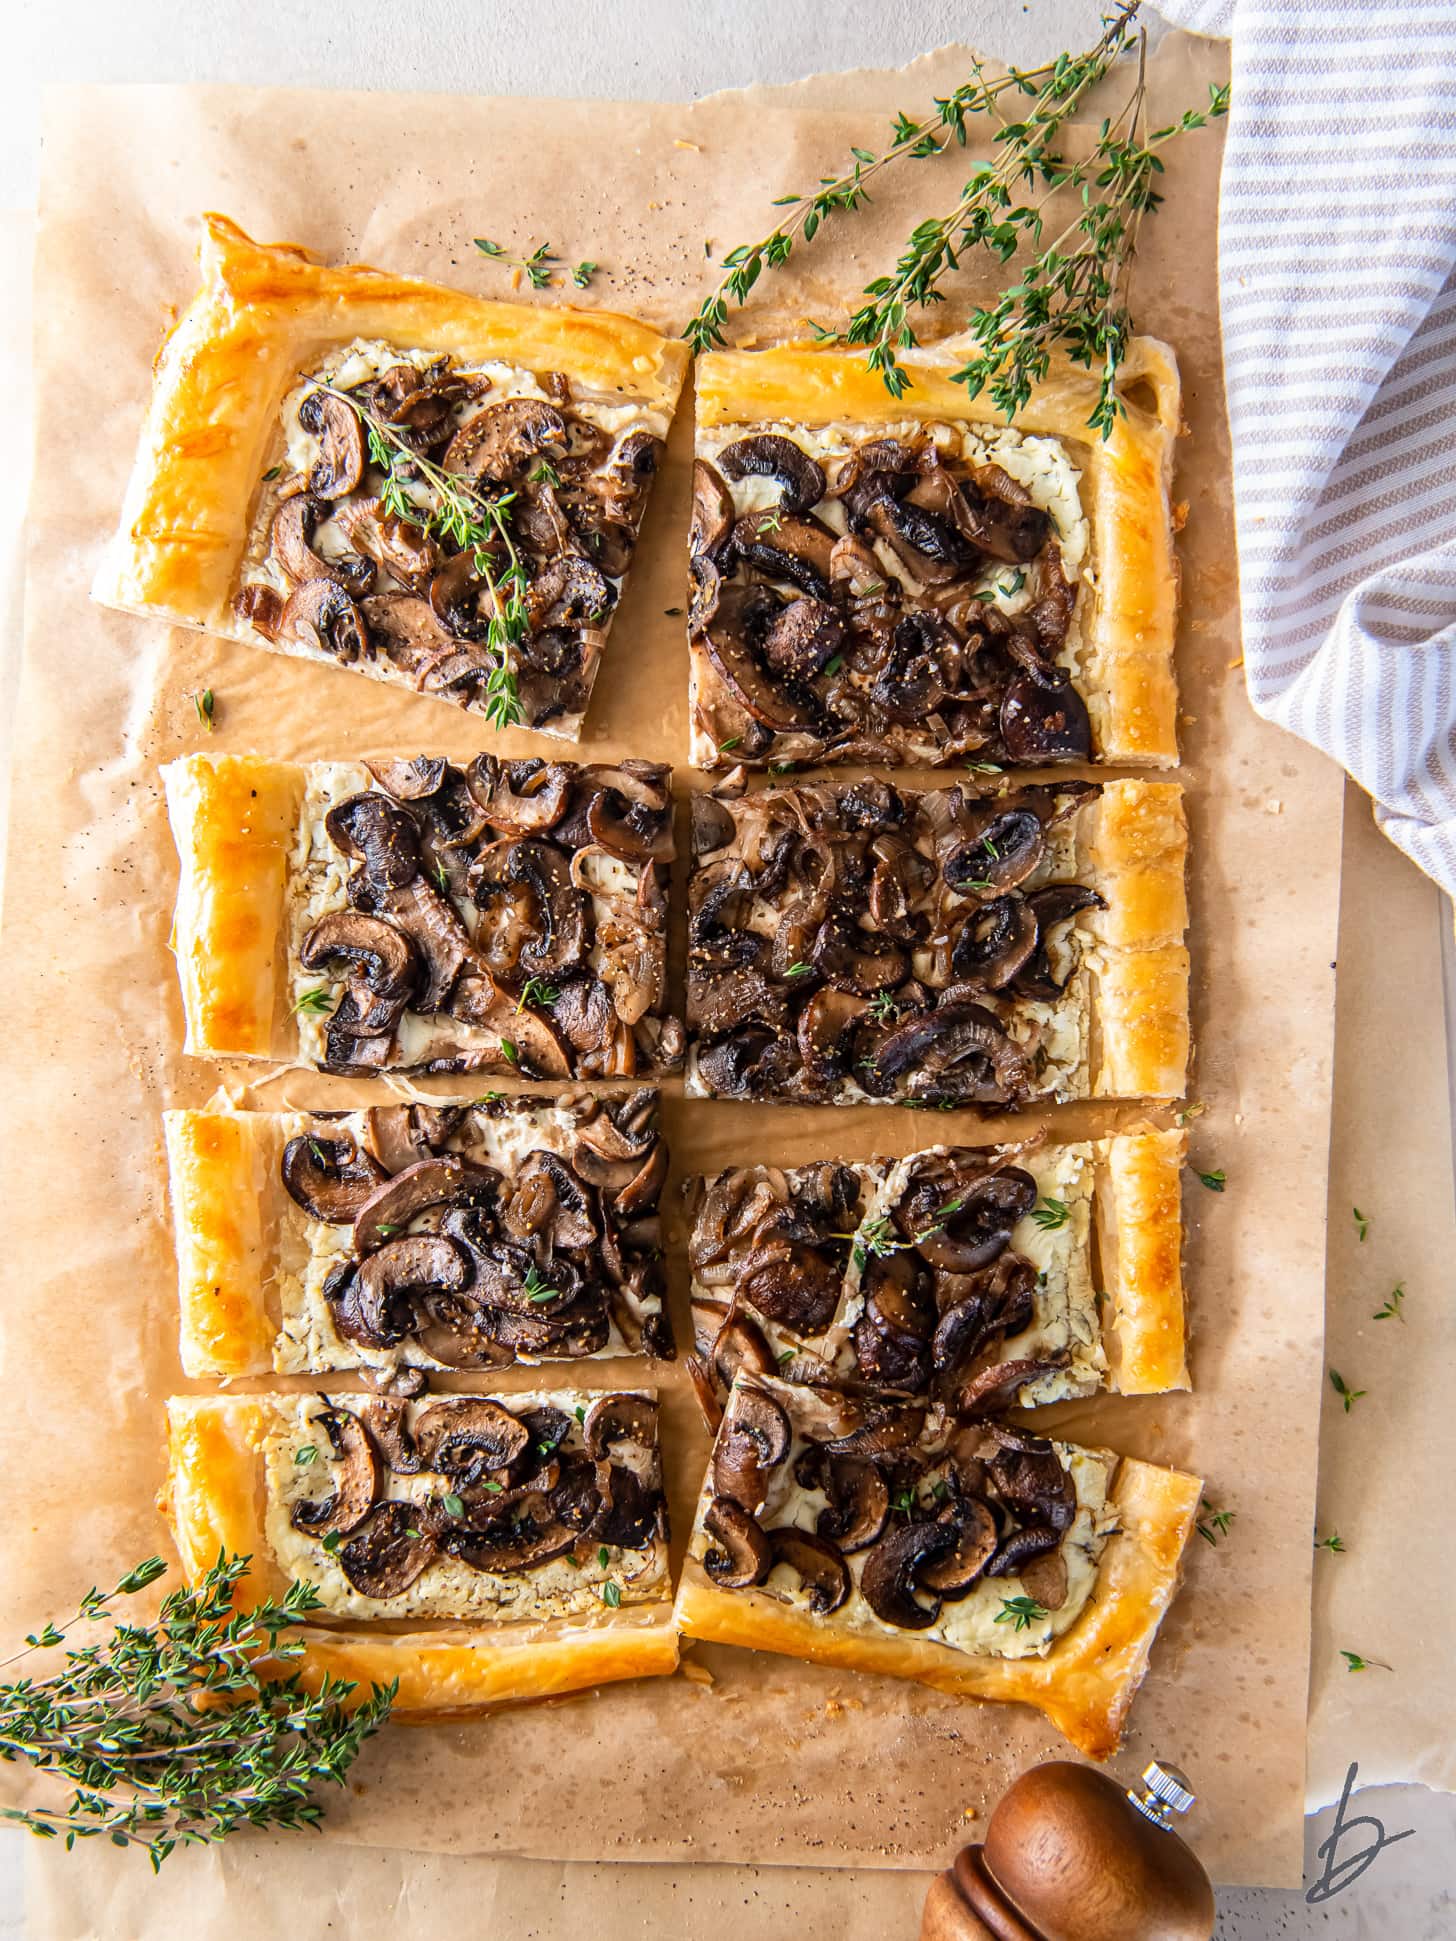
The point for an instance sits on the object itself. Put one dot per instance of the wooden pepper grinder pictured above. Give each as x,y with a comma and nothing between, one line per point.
1070,1855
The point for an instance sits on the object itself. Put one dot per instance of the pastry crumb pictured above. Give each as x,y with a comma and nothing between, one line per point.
678,142
1179,514
696,1674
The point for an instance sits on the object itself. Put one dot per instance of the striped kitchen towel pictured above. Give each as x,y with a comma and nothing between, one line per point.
1337,264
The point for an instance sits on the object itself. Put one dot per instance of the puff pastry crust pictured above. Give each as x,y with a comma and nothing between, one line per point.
763,1028
1083,1679
264,1285
217,1497
265,317
263,871
1120,648
1080,1244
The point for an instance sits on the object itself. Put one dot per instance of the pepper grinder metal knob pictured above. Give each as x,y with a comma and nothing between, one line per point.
1070,1855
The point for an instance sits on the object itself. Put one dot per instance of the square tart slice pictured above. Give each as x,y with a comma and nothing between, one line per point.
855,942
366,470
914,580
477,1550
419,1236
413,916
985,1277
978,1558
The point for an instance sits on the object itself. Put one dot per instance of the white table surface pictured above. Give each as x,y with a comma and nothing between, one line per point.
612,50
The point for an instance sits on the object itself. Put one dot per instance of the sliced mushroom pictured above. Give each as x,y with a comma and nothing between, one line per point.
826,1031
571,592
340,431
379,1306
999,516
1045,721
410,781
797,1286
379,834
764,455
548,1198
356,1478
401,546
753,1441
854,960
397,1201
859,1502
748,684
520,798
1033,1482
893,1566
1000,855
631,818
1058,903
321,614
997,1386
799,642
616,1418
930,548
712,512
741,1556
957,1573
995,942
787,549
329,1178
394,1547
735,1343
962,1223
822,1571
958,1051
292,537
1022,1548
469,1433
501,440
382,960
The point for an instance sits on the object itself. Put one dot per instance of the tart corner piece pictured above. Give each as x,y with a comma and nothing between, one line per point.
769,1580
241,1479
916,579
259,507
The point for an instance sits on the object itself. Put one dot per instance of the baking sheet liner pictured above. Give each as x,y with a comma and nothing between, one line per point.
774,1761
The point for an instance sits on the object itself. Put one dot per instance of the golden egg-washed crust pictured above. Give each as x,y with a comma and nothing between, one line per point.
214,1500
1137,849
1138,1210
1126,661
265,314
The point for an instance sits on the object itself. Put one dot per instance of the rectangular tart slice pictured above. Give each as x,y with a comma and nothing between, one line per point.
854,942
478,1550
978,1558
910,580
421,1236
982,1276
411,916
369,471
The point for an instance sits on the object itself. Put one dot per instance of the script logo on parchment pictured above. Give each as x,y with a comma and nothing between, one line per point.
1341,1872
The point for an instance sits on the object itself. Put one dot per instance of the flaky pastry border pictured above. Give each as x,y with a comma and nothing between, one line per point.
214,1501
1126,674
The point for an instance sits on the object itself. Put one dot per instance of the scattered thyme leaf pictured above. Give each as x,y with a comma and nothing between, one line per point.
205,702
1215,1182
314,1002
604,1556
583,274
510,1052
1214,1526
305,1455
612,1594
1051,1214
1362,1225
538,992
1354,1662
1022,1612
1349,1396
1334,1543
1392,1309
454,1505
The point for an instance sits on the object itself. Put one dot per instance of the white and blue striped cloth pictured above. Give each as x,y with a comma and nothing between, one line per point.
1337,269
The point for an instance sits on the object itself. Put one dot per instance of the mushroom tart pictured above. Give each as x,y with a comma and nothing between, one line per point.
972,1556
529,1530
913,580
855,942
419,1236
976,1277
374,473
416,916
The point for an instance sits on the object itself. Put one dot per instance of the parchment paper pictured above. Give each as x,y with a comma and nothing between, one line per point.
776,1761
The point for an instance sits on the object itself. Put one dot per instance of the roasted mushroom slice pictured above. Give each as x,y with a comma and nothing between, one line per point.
616,1418
712,512
892,1570
403,548
956,1574
996,942
961,1223
292,542
329,1178
799,642
630,816
998,514
382,959
1002,853
394,1547
822,1571
356,1478
958,1051
501,440
826,1031
1033,1482
1045,720
797,1286
391,1207
385,1280
753,1441
340,431
410,781
380,835
321,614
469,1434
520,798
764,455
741,1555
790,550
859,1502
1022,1548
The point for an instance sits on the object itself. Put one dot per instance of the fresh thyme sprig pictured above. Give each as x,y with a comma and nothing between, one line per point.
539,266
916,140
1022,1612
1214,1525
166,1730
1349,1396
1072,296
471,520
877,1238
1393,1305
1051,1214
539,992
